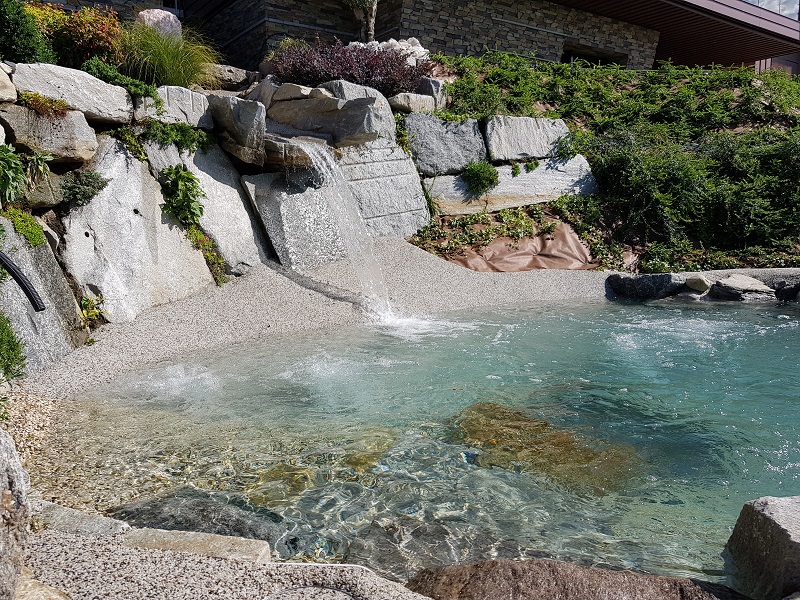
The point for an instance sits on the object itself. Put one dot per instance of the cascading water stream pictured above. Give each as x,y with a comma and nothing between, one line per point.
357,241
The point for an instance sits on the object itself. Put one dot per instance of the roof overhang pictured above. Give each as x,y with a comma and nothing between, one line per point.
701,32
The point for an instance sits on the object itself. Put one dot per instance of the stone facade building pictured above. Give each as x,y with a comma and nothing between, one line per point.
127,9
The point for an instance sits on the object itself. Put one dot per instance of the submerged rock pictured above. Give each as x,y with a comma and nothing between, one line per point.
191,509
554,580
509,439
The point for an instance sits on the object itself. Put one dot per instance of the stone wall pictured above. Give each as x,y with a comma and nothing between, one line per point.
547,29
126,8
247,29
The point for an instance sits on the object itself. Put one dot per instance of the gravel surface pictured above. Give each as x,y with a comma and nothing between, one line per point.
103,568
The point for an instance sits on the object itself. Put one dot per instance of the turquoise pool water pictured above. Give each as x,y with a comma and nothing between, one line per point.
359,441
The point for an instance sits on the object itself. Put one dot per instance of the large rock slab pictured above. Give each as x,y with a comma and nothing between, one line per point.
413,103
228,216
14,487
47,335
47,515
264,92
441,148
99,101
765,548
8,93
523,138
554,580
300,221
646,286
241,127
205,544
180,106
547,182
230,78
386,186
123,247
190,509
354,114
66,139
742,287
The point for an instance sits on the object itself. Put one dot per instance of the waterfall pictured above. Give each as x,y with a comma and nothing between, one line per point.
356,239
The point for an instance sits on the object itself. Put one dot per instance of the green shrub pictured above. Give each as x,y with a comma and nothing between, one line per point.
12,359
131,141
25,225
77,36
167,59
12,175
42,105
531,165
79,187
182,195
184,136
110,74
516,170
20,38
480,177
214,260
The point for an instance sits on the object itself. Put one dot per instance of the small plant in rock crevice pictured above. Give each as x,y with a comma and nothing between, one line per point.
79,187
42,105
182,194
516,170
480,177
91,311
185,137
201,241
13,180
25,225
12,357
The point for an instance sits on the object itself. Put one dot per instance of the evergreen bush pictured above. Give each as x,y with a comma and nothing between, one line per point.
20,38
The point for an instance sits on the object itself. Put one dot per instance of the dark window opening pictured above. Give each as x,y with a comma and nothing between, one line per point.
595,56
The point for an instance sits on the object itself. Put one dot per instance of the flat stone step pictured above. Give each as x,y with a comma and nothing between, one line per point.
205,544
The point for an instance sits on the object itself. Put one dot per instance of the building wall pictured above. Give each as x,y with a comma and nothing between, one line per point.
544,28
247,29
127,9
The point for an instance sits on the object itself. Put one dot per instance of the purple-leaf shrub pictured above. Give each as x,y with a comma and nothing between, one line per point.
386,70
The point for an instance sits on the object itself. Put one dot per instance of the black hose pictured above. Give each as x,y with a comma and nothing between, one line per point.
23,282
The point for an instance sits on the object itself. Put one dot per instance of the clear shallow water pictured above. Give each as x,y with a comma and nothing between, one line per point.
352,437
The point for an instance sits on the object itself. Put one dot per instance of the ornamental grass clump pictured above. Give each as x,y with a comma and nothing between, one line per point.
385,70
167,59
480,177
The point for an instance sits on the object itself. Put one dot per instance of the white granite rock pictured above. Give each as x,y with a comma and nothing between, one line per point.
164,22
386,186
242,126
412,103
8,93
523,138
180,106
550,180
66,139
123,247
99,101
299,221
227,216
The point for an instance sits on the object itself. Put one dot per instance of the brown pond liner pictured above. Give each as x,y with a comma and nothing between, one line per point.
564,250
512,440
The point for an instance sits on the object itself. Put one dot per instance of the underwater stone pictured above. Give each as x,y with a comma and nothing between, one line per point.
206,544
509,439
